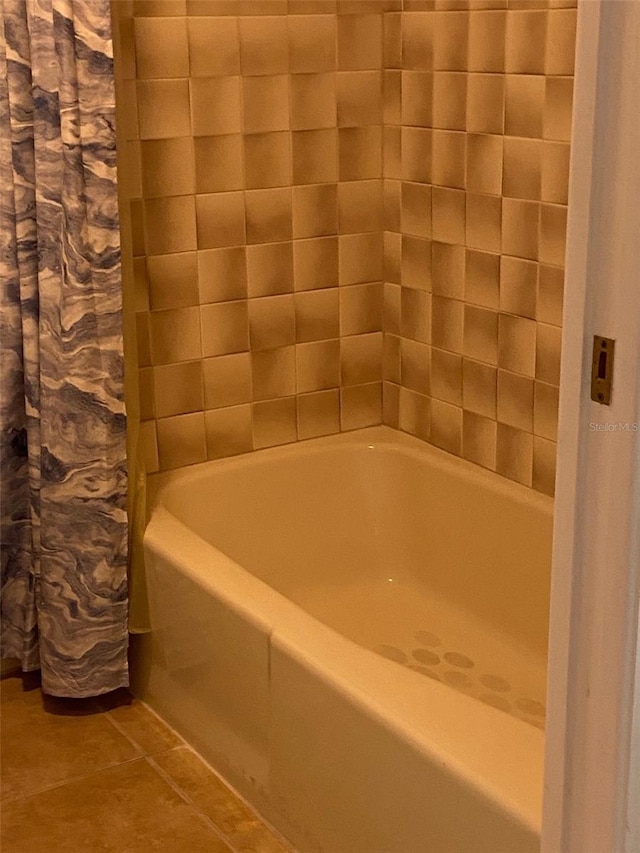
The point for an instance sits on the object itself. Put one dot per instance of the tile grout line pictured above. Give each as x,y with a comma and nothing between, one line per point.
73,779
185,745
187,799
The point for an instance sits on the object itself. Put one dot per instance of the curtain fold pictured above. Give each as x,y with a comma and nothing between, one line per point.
63,430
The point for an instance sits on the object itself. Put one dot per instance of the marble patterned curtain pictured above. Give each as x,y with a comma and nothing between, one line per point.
62,455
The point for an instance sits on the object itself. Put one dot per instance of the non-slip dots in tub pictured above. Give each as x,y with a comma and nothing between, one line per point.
456,659
433,664
531,706
427,638
426,656
391,652
494,682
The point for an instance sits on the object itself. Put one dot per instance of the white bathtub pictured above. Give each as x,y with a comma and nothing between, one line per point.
273,579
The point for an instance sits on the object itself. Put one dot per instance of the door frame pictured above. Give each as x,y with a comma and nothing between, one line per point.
592,761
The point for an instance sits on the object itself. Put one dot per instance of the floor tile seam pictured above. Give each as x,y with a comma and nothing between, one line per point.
121,729
166,777
72,780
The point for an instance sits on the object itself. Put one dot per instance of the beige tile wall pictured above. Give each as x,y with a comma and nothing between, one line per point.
258,135
477,118
253,165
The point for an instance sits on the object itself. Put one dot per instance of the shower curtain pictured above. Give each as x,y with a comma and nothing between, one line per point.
63,429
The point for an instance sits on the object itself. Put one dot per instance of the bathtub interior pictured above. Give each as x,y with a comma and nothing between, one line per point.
439,568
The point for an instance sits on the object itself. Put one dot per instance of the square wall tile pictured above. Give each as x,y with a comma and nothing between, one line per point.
449,100
550,295
228,431
446,376
417,147
267,160
173,280
270,269
553,233
482,278
161,47
485,103
360,153
518,279
225,328
317,315
555,172
315,156
417,98
359,98
525,42
525,106
446,426
517,344
544,465
361,359
359,258
265,103
181,440
448,158
274,422
170,224
417,41
220,220
163,109
264,47
447,323
359,42
360,309
214,46
561,41
479,388
479,436
318,414
222,274
514,454
484,222
545,410
317,366
450,42
215,105
416,209
271,322
178,388
520,228
448,215
415,315
487,39
522,168
447,270
315,210
313,101
268,215
273,373
414,413
359,206
484,163
481,334
416,263
415,366
361,406
315,263
227,380
218,163
515,400
167,167
312,42
547,356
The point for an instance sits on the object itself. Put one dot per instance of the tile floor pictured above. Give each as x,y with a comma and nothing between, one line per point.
107,775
